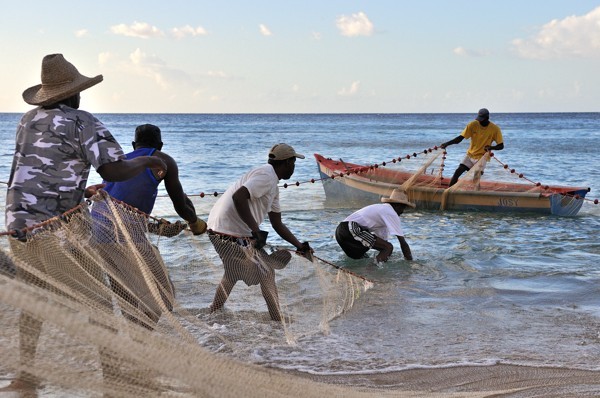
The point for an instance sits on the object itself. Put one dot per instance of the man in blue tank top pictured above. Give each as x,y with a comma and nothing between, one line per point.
141,190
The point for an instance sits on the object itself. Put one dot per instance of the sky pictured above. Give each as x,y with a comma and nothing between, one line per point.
324,56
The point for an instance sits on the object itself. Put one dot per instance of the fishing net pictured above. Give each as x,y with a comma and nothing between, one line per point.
89,306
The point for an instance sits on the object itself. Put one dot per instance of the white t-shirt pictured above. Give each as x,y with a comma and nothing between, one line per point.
380,219
262,183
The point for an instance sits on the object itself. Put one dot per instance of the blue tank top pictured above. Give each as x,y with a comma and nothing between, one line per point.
139,191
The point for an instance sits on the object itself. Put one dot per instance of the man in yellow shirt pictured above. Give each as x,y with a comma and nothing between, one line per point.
482,133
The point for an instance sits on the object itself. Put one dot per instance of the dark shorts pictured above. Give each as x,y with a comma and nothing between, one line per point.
354,239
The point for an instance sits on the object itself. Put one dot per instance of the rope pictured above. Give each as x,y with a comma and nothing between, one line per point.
349,171
539,184
326,262
66,214
343,269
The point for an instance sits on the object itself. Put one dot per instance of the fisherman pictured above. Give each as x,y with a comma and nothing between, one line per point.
234,229
482,133
371,226
141,192
56,145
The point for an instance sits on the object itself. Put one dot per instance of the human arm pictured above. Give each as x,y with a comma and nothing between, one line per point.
453,141
125,169
405,248
283,231
497,147
182,204
241,203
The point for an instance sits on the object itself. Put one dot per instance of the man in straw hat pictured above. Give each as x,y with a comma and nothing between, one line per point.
56,145
371,227
234,229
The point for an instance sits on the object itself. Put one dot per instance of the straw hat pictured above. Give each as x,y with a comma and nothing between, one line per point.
60,80
398,196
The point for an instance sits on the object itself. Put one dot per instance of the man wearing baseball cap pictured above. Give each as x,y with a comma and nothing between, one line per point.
234,229
481,132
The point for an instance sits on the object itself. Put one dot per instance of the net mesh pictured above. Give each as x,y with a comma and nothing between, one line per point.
89,307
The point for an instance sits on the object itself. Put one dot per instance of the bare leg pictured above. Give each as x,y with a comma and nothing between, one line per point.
29,334
459,171
222,293
269,292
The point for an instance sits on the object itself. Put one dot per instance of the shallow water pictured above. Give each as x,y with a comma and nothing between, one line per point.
483,288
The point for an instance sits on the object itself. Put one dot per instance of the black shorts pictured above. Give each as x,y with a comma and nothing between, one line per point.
354,239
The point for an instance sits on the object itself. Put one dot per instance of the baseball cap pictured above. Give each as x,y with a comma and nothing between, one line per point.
483,115
283,151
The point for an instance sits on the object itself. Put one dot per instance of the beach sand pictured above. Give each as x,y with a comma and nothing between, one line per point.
475,381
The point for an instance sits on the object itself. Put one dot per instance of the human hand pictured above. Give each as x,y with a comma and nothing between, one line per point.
166,228
443,146
382,257
306,251
157,164
198,227
92,190
260,239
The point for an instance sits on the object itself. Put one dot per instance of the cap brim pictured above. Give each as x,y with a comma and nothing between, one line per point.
299,155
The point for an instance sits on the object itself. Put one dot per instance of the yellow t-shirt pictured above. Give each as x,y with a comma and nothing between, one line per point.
480,137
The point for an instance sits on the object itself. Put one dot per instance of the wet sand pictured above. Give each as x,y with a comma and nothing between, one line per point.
475,381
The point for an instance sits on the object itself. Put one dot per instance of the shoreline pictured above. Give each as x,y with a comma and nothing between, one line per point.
499,380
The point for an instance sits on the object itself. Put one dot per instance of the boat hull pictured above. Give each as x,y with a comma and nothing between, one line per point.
357,189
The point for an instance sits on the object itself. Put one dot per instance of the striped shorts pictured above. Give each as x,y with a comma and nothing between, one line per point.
354,239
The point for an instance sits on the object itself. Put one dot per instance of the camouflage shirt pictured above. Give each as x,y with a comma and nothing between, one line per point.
54,151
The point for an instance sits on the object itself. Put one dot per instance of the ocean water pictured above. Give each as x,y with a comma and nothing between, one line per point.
484,288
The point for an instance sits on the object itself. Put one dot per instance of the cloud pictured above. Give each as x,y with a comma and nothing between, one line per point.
81,33
142,30
573,36
155,68
218,74
354,25
264,30
105,57
463,52
352,90
316,35
187,30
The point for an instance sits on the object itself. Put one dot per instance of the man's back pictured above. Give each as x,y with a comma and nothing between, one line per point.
55,149
261,183
139,191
